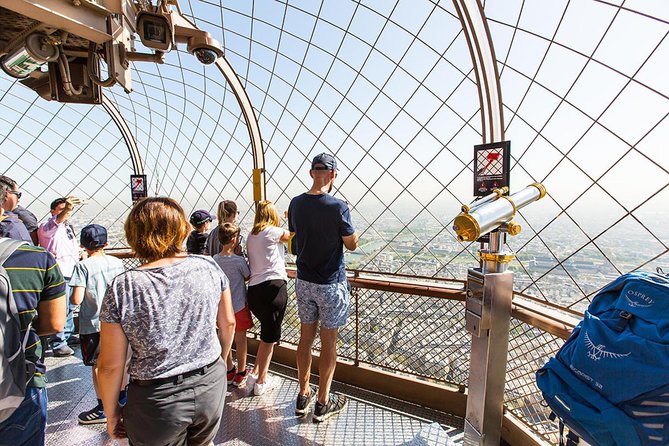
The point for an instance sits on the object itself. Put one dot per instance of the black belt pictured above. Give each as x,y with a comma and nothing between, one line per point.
178,379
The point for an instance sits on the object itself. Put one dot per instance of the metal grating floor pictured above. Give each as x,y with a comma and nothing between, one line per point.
369,419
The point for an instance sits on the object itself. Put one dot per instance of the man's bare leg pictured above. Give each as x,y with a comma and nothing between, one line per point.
327,362
307,337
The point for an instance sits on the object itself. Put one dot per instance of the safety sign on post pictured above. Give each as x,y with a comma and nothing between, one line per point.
138,187
491,167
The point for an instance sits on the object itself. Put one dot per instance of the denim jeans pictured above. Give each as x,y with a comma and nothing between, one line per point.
27,425
60,339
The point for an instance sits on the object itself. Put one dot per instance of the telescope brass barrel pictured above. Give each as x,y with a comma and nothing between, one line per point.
474,223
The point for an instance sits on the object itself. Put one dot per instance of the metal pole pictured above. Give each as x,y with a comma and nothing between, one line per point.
489,293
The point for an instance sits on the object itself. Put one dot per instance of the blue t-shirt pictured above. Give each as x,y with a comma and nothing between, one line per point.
27,217
319,222
94,274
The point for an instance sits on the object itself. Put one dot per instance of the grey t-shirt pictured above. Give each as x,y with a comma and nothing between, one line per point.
94,274
237,271
168,314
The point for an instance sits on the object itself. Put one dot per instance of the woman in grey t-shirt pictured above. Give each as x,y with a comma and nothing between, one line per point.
167,310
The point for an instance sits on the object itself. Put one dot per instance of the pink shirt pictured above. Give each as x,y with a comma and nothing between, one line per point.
59,240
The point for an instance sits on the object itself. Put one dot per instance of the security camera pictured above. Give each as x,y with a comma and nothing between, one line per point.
206,48
155,30
198,42
206,56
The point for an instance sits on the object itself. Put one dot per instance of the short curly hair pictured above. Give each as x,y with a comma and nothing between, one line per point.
156,228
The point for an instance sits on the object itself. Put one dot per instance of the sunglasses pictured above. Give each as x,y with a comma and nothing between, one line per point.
15,192
321,168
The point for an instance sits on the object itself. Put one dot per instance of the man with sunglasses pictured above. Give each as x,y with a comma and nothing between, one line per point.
15,222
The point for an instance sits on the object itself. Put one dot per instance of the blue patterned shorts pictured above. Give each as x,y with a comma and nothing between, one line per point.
328,303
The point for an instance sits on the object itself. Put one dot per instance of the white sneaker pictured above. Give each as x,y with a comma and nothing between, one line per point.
251,379
271,382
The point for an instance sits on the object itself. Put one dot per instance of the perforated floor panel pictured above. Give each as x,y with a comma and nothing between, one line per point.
369,419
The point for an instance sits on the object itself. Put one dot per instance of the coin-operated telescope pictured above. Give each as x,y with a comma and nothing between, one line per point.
488,307
494,211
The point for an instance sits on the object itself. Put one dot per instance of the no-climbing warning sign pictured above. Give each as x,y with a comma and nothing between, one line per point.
491,167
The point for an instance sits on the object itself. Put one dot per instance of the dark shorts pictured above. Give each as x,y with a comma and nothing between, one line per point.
267,301
90,348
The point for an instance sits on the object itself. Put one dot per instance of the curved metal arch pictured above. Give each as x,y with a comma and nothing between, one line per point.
485,401
128,137
259,178
484,61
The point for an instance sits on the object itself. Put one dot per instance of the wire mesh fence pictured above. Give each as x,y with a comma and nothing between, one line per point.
529,349
425,337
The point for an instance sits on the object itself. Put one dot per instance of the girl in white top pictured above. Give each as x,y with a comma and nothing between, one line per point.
267,295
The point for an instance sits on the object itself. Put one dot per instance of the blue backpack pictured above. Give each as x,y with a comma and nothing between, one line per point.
609,383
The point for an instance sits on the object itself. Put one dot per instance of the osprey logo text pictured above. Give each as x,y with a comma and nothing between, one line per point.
598,351
637,299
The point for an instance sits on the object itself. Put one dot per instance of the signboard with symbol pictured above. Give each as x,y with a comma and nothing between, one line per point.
138,187
491,167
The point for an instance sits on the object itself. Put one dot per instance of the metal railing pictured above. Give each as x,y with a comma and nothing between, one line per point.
415,327
418,329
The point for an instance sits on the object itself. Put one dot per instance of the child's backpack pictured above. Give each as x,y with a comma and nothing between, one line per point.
609,383
13,372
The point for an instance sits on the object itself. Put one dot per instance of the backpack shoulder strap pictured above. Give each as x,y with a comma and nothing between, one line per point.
7,247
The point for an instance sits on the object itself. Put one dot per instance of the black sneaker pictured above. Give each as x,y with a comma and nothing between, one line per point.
336,403
63,350
93,416
304,401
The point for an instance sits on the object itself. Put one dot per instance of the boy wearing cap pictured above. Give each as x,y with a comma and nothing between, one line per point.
89,284
197,240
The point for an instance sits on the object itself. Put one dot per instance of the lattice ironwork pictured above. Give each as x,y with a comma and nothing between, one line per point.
388,87
425,337
390,90
415,335
529,349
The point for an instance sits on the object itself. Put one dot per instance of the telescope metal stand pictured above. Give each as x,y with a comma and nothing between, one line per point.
487,317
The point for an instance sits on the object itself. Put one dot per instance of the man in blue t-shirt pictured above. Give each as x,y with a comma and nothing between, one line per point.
321,226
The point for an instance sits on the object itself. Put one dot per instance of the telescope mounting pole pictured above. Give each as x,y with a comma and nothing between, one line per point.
488,311
488,306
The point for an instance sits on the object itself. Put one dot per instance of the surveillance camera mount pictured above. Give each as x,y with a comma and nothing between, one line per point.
198,42
161,30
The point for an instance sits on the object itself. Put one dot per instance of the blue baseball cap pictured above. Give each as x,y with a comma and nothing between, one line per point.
327,161
200,216
93,237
